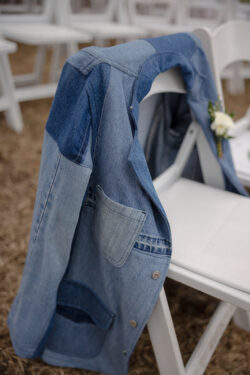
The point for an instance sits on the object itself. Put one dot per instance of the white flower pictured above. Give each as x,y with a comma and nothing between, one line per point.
222,124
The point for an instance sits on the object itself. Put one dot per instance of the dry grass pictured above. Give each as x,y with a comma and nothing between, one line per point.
19,165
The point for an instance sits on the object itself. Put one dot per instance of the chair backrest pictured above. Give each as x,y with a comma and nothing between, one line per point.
171,81
19,7
225,45
44,16
208,13
142,12
91,12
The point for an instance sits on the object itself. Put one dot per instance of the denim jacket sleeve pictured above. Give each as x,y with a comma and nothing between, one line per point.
65,169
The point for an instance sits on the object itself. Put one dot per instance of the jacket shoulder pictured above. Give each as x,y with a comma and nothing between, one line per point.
77,106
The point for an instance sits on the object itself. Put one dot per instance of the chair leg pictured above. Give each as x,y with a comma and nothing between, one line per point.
209,340
39,64
164,340
71,48
14,115
55,63
242,319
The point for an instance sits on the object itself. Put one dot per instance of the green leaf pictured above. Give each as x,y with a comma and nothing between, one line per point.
210,109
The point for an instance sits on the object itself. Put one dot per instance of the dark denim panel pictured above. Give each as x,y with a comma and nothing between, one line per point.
179,43
69,116
82,304
153,245
74,110
170,122
159,63
97,87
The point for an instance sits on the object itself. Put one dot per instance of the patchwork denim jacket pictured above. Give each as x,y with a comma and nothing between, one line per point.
100,243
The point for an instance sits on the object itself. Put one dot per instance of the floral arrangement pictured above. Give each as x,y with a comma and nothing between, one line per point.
221,123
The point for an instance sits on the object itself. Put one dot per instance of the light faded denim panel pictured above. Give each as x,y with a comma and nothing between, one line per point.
115,227
68,347
126,57
62,185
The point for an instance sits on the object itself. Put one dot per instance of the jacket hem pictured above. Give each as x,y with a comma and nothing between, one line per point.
57,359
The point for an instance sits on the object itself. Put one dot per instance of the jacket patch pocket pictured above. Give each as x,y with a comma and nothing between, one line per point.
115,227
82,321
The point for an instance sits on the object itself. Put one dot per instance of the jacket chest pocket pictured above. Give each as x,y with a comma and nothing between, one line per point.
115,227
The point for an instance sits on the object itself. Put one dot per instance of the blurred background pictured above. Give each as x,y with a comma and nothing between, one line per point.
36,37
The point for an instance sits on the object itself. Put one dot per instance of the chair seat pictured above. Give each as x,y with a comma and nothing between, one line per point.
7,47
38,34
240,146
210,232
110,30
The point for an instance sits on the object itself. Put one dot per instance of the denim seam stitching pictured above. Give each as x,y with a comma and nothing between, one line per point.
81,69
119,263
66,157
98,135
124,215
83,141
113,64
154,255
83,285
85,310
142,234
153,245
47,198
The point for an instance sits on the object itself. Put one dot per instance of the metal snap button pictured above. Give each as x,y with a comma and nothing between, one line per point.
133,323
156,275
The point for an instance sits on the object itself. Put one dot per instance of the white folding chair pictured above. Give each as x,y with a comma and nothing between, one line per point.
211,243
210,13
224,46
159,17
100,23
37,30
8,102
22,6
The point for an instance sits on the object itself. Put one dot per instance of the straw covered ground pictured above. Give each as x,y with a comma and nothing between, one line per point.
19,166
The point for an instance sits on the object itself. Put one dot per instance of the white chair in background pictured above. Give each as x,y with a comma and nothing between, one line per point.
211,243
238,10
37,30
210,13
8,102
108,23
238,72
159,17
226,45
22,6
